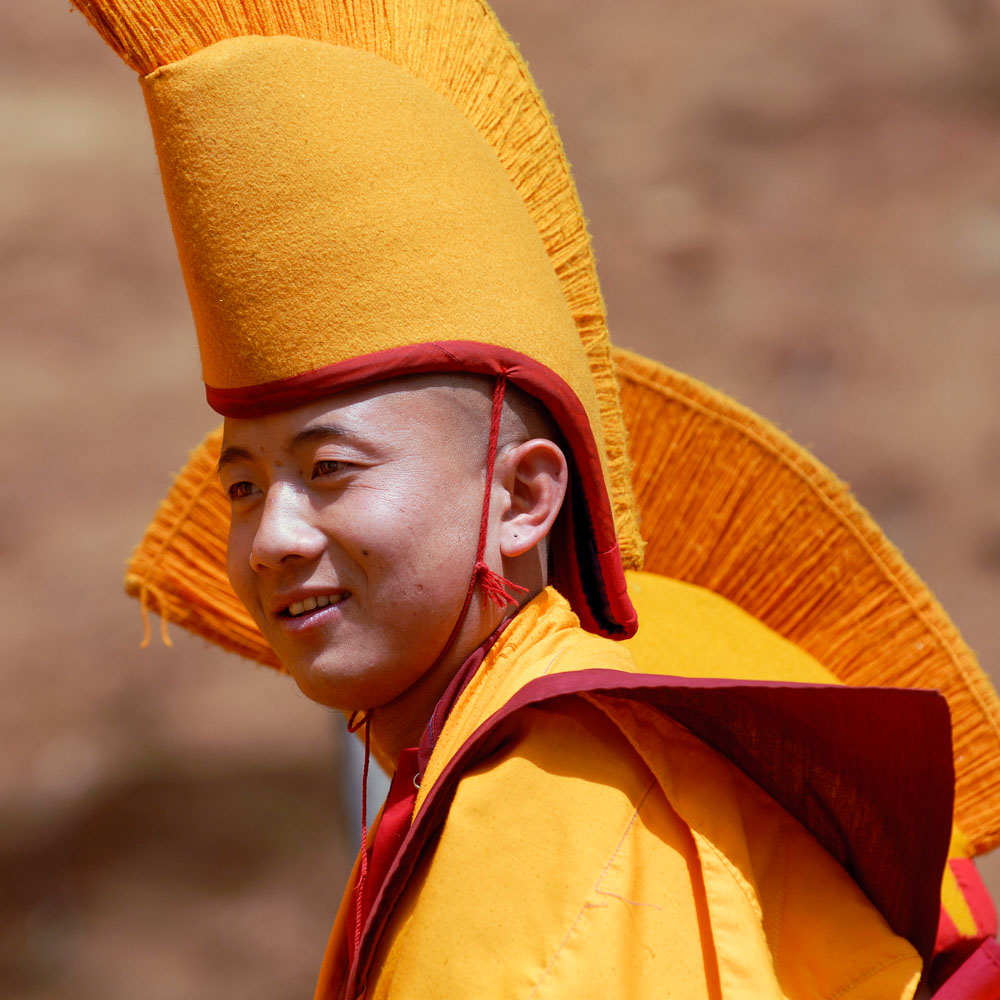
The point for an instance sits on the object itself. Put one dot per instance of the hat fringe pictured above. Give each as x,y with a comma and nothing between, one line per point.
179,568
732,504
459,50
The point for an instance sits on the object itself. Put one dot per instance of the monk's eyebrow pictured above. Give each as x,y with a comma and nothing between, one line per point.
318,432
310,435
233,454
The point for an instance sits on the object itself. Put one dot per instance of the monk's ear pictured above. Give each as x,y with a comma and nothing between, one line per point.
534,475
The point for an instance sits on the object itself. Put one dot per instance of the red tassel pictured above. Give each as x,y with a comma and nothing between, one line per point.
496,588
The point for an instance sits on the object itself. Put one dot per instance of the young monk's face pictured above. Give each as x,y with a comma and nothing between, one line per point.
354,528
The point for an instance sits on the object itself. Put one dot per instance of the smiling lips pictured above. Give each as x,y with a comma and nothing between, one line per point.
298,608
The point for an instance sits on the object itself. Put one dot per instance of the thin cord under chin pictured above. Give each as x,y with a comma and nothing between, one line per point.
359,890
354,723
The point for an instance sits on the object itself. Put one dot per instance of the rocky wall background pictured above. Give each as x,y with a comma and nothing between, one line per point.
797,202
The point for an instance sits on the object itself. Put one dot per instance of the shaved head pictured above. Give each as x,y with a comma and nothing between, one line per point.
471,398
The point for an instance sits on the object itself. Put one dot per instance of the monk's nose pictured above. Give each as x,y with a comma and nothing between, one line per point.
286,529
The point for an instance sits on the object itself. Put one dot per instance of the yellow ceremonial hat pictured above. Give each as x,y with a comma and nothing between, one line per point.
369,190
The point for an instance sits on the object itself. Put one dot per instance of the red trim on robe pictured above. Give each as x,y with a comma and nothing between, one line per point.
952,949
455,687
978,978
392,829
948,936
976,895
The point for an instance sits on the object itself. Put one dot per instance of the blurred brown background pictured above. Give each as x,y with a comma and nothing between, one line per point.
799,203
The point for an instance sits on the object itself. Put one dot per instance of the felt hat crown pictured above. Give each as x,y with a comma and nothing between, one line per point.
365,190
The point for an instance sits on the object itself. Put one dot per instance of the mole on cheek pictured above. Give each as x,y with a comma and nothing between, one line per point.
364,552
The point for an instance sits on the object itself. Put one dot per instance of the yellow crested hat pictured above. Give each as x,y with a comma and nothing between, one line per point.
360,191
366,189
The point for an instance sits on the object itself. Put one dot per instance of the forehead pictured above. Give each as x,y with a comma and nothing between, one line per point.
427,409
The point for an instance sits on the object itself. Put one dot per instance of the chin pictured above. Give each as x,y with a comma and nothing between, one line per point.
333,686
319,687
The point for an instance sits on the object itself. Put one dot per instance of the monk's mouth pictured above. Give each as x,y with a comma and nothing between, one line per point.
309,605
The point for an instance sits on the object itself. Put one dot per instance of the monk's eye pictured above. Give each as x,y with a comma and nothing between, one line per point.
327,467
240,490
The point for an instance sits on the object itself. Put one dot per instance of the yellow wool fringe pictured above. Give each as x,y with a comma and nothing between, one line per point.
457,48
179,568
732,504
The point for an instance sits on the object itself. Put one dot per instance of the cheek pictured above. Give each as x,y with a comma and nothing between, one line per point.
238,561
405,542
415,538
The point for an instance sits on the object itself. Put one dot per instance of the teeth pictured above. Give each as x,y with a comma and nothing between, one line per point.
312,603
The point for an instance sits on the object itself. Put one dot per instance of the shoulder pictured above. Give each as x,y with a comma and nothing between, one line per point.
561,870
566,868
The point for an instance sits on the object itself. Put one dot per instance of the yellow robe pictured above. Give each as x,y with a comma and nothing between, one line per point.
577,861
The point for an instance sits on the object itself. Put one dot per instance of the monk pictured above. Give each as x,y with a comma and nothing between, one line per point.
354,527
432,526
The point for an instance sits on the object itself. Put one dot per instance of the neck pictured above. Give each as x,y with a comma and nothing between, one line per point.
400,723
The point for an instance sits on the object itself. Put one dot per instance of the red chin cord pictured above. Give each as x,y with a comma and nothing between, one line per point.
359,889
495,588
